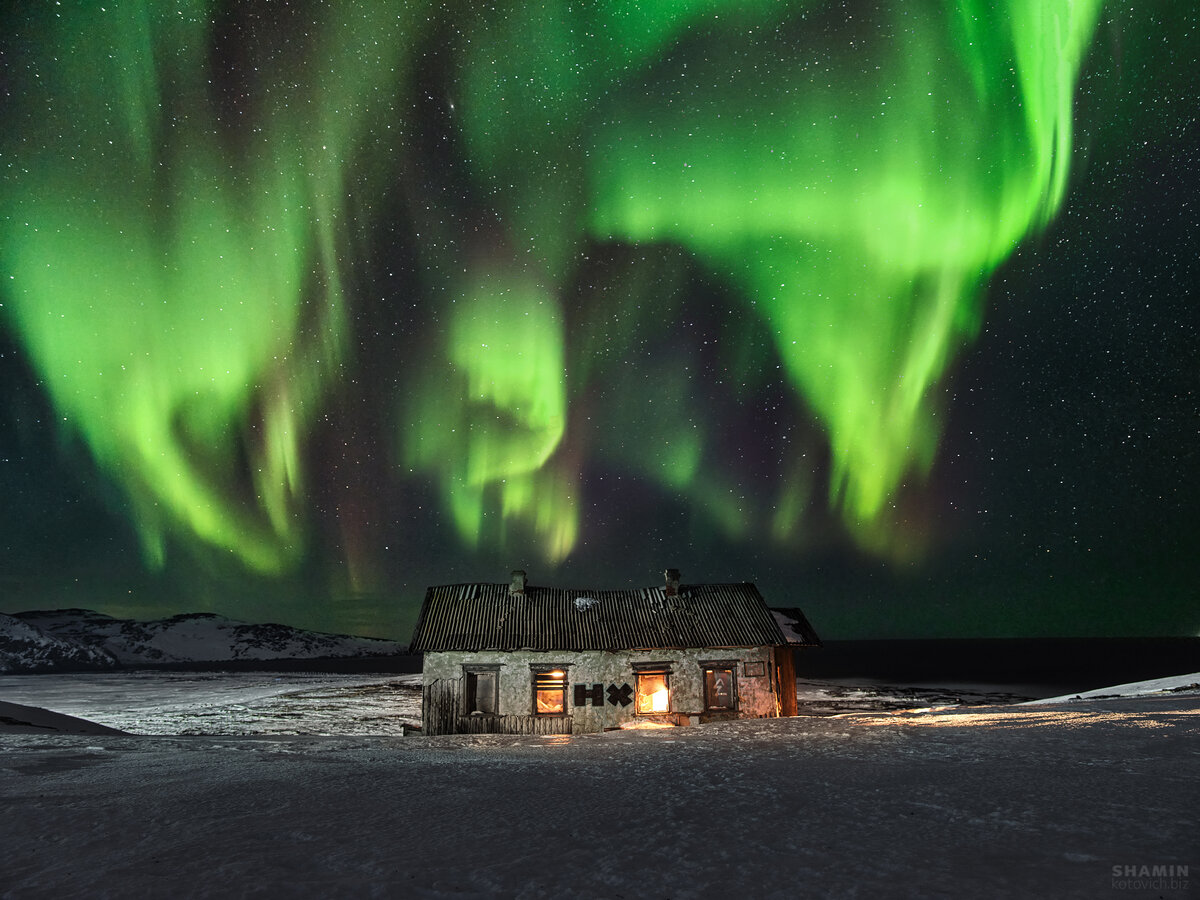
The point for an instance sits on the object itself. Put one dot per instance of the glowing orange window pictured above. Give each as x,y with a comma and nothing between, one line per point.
550,692
653,693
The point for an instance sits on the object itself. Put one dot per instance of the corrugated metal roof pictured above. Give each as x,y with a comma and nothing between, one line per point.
489,617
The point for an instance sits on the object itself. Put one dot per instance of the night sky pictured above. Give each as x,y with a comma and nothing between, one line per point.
887,308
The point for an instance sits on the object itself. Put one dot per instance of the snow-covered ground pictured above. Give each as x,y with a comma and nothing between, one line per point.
228,703
1062,800
839,695
160,702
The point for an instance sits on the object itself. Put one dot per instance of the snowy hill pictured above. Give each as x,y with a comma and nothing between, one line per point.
25,648
1178,684
196,637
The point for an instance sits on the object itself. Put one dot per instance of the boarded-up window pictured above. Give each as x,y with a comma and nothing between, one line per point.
550,692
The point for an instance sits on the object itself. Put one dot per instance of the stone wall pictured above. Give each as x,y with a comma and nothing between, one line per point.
613,671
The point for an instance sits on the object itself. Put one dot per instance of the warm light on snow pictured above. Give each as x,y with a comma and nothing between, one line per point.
1072,792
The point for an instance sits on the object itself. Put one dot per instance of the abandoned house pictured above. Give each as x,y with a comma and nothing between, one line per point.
520,659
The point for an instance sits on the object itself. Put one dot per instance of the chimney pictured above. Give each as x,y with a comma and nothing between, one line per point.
517,586
672,577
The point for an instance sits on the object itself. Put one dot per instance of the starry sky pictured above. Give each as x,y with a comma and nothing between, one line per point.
885,307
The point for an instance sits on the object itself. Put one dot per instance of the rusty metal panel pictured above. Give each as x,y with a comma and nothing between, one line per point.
785,669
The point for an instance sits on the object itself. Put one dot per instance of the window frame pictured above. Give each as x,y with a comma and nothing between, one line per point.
647,669
536,669
471,671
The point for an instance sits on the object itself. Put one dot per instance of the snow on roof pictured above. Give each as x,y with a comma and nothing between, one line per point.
795,627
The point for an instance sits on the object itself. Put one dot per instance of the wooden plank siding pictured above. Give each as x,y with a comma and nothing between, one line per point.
514,724
440,706
785,672
441,713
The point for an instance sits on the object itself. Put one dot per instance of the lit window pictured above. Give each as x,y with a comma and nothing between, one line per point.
550,692
719,687
653,692
480,690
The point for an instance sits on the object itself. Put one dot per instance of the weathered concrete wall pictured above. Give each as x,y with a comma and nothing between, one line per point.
756,694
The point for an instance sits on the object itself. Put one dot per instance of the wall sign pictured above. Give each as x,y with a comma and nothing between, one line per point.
584,693
622,694
595,693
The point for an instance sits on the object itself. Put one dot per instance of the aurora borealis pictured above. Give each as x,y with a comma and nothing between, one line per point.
306,306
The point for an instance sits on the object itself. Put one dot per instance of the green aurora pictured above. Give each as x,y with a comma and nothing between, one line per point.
180,289
196,196
179,283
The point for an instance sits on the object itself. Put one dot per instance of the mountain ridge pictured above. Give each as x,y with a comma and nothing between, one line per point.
64,640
